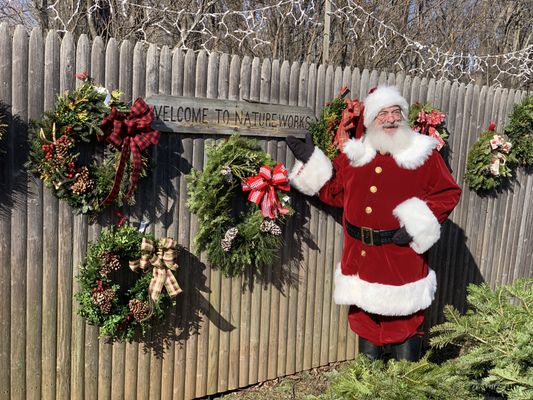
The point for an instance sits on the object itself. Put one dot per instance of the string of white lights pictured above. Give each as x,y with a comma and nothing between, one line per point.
429,59
246,27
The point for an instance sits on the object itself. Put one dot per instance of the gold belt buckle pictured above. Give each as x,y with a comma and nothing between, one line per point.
370,233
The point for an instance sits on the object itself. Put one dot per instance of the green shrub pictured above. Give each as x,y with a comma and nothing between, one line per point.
495,337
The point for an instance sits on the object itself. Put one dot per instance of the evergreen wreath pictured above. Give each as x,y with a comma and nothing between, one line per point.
520,132
428,120
337,123
234,231
65,147
490,161
115,293
323,130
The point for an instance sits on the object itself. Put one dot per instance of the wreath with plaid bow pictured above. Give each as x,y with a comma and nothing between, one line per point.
90,149
339,121
127,282
241,199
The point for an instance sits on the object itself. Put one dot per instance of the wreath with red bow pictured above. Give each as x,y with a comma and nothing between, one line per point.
241,199
428,120
339,120
68,152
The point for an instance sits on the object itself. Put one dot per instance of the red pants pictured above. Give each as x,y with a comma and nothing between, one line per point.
380,330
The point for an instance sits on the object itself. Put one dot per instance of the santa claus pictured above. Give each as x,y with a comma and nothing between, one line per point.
395,191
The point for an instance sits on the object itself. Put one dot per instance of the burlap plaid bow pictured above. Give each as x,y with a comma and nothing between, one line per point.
129,132
263,187
161,260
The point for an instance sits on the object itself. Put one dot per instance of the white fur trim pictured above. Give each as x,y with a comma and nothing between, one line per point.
359,152
417,153
377,298
420,223
309,178
383,97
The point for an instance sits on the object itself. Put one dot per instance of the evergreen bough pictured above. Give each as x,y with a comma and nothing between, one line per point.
496,338
496,341
398,380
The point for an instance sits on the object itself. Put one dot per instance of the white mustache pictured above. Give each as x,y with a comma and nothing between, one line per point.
390,125
395,124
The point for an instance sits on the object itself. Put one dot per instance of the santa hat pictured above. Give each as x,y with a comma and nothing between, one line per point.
380,98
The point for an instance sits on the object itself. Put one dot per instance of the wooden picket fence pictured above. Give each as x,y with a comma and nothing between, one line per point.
224,333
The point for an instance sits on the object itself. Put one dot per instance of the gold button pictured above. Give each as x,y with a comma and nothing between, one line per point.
373,189
378,170
363,253
368,210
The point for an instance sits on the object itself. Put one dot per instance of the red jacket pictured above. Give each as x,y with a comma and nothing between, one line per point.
412,188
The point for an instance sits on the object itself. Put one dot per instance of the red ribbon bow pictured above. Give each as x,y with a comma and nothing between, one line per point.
129,132
435,134
424,126
349,119
263,187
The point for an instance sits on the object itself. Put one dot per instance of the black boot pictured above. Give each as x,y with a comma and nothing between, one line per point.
369,349
409,350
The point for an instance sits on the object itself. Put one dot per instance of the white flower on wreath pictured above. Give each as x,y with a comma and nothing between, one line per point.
103,90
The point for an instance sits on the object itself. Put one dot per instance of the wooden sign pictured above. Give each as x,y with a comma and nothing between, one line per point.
219,116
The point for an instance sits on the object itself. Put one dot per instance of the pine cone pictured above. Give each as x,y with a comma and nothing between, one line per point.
103,299
62,150
226,245
109,262
231,233
275,230
57,163
139,309
270,227
265,226
83,183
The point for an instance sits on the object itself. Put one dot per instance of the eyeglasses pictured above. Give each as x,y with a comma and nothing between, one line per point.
383,115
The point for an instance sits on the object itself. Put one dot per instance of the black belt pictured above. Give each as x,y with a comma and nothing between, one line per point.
369,236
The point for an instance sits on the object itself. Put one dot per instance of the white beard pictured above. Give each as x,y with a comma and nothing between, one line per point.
392,143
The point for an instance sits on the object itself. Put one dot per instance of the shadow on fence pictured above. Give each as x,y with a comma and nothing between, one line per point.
13,150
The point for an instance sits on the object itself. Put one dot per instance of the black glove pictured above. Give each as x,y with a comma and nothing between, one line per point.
401,237
301,150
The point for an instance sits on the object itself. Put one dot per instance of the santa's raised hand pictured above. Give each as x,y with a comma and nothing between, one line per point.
302,150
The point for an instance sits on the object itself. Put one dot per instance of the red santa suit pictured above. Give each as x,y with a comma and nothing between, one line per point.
387,286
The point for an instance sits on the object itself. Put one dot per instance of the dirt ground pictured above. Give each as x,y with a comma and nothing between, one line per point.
307,384
300,386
